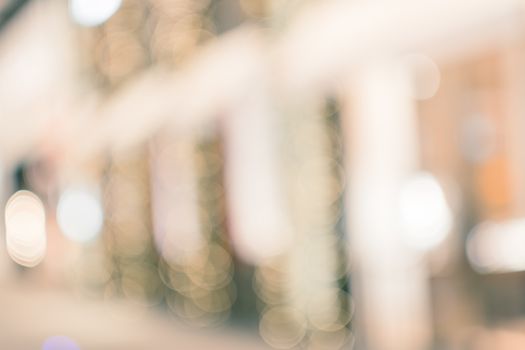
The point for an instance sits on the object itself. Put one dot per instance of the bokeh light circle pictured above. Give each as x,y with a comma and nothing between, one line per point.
424,212
59,343
282,327
25,223
92,13
426,75
79,215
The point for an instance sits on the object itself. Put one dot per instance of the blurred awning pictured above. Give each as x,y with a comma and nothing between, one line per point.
317,52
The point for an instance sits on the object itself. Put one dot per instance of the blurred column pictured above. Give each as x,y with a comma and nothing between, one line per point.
114,52
259,222
189,219
318,283
132,258
514,90
38,70
258,215
305,291
392,296
175,203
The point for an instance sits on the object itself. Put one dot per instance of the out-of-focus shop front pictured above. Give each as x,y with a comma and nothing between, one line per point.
254,174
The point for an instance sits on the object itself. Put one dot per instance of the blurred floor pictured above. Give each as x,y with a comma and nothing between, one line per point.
30,316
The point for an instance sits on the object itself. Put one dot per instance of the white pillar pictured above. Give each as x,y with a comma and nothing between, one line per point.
259,221
391,282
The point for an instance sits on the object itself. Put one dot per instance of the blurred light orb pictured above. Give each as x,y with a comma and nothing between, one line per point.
424,213
426,76
478,138
282,327
79,215
59,343
325,310
497,247
25,222
90,13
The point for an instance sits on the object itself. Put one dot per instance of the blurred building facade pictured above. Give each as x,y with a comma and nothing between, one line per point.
305,174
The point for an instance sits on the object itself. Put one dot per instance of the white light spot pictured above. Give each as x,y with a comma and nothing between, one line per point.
497,247
424,214
79,215
92,13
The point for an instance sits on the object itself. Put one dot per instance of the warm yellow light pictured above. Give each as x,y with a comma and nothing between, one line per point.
25,223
